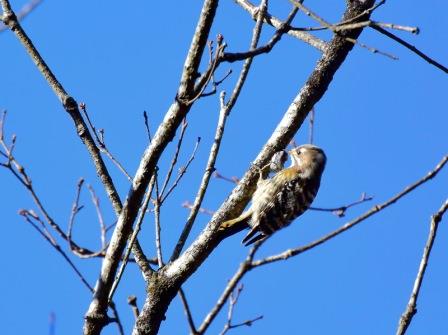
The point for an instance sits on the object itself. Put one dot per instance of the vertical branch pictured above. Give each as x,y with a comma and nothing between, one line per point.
157,222
205,180
411,308
96,313
311,128
187,310
145,270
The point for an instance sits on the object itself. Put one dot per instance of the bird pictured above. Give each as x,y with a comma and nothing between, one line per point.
277,201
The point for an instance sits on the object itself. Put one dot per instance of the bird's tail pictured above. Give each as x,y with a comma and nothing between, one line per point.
236,225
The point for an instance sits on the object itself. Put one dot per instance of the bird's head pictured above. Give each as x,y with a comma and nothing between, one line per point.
309,158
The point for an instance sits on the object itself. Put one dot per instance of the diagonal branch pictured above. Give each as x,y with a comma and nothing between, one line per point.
204,184
165,133
410,47
411,308
23,12
277,23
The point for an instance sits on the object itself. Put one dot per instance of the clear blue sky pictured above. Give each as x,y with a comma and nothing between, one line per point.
383,125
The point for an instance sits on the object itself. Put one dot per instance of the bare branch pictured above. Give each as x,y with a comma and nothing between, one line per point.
311,127
28,216
244,267
96,203
187,311
182,171
143,262
165,133
175,156
132,301
340,211
233,179
204,183
276,23
148,132
102,143
189,205
337,29
157,222
21,175
411,47
232,57
411,308
232,303
23,12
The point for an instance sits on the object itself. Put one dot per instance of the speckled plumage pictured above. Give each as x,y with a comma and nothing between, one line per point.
277,201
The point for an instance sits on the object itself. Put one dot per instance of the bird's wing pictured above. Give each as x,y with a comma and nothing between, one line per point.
267,197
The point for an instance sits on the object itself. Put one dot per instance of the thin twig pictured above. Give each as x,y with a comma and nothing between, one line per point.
20,174
49,238
210,167
148,132
366,12
101,143
282,29
175,156
147,270
116,318
343,26
340,211
277,23
189,205
157,225
215,84
411,47
182,171
187,311
411,308
75,210
204,80
311,127
244,267
374,210
233,179
372,49
335,29
232,303
96,203
132,301
247,323
27,215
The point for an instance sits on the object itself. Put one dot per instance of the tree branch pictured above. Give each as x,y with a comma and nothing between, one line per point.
411,308
277,23
165,133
